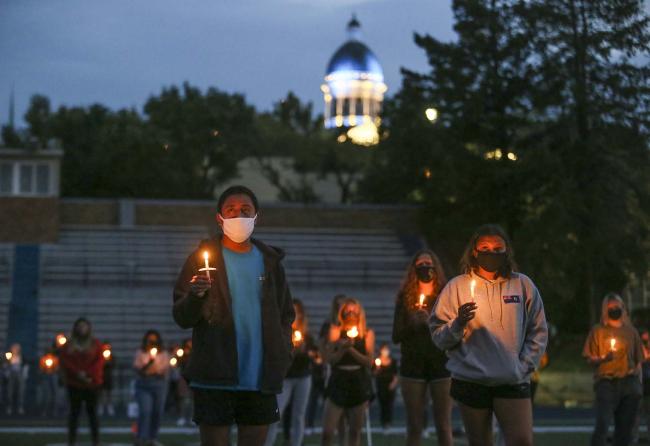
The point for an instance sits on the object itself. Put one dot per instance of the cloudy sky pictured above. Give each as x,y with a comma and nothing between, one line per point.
120,52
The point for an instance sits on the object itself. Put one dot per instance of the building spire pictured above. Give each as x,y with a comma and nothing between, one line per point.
354,28
11,107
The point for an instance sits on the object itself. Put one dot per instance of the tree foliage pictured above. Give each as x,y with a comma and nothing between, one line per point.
543,111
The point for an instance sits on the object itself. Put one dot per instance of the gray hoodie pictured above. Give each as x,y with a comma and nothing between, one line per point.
503,344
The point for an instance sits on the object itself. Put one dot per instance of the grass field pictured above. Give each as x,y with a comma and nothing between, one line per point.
560,439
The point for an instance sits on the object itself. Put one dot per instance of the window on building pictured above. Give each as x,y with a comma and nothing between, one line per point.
6,177
42,179
26,178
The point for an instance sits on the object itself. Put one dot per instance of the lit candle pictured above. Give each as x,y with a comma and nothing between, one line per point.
353,332
9,355
422,297
173,361
378,362
472,286
49,362
612,344
61,339
207,266
106,353
153,352
297,336
180,352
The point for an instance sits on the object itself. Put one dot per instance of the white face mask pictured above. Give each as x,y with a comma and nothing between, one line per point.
238,229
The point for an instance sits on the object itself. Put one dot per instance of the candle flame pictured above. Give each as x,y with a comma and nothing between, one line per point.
297,336
48,362
612,343
9,355
206,255
377,362
106,353
153,351
180,352
353,332
422,297
61,339
173,361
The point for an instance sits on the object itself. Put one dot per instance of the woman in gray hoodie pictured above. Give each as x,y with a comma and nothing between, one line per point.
491,322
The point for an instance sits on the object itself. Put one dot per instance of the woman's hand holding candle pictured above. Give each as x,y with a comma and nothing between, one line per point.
466,313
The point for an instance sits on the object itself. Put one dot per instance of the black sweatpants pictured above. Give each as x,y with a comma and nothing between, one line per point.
77,396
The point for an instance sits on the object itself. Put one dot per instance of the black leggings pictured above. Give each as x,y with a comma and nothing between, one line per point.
77,396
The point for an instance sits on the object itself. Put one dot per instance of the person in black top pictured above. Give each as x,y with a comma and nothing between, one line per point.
296,385
350,353
386,384
423,364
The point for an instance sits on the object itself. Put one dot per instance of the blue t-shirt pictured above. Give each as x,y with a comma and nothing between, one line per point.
245,272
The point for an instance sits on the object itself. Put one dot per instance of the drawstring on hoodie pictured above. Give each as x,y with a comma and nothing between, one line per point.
489,291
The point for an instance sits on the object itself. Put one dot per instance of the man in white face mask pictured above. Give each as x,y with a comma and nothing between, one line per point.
241,317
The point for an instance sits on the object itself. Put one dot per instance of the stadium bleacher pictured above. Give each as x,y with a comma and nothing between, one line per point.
121,278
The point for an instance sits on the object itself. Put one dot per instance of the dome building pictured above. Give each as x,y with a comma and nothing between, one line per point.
354,90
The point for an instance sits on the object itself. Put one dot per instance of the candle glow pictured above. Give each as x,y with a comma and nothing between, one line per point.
207,266
48,362
472,286
353,332
153,351
180,352
106,353
378,362
61,339
173,361
9,355
612,344
422,297
297,336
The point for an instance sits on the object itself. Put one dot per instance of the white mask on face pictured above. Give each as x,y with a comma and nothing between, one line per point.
238,229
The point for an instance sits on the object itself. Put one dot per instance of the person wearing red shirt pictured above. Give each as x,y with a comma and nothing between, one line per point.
83,368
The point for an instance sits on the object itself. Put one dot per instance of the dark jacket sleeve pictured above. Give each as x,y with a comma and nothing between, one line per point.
187,306
287,314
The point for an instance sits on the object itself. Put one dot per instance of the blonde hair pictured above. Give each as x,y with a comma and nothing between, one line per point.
300,322
361,327
604,316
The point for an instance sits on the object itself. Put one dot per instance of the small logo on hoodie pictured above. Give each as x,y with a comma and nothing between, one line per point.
512,299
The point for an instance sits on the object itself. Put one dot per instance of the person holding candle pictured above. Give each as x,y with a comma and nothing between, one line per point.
494,341
386,384
241,325
106,391
297,384
350,353
151,364
49,367
17,372
82,364
422,372
614,348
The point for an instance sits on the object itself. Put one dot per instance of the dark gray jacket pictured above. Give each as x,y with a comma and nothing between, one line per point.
214,347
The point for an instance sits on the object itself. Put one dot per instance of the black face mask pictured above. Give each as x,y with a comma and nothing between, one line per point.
615,313
425,273
491,261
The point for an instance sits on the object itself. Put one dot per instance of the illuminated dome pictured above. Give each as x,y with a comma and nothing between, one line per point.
354,89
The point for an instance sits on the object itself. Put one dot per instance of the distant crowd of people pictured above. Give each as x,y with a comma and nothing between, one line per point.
477,341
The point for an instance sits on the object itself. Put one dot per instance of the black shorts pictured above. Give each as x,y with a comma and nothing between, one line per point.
479,396
349,388
227,407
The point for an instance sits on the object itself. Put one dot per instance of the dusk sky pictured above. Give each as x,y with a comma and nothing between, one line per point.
119,52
